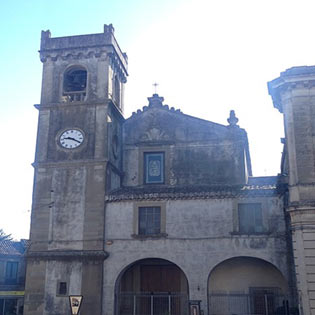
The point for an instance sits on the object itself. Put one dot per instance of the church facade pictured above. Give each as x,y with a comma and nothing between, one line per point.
159,213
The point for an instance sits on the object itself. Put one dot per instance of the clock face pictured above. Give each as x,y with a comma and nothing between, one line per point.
71,138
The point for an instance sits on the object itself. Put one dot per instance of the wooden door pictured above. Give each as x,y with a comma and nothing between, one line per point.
164,280
160,279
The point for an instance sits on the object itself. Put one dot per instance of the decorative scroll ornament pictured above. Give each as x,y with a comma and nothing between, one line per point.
154,168
154,134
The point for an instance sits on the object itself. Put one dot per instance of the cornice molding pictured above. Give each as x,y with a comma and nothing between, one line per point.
45,106
75,53
293,78
118,67
303,205
69,163
210,193
312,184
67,255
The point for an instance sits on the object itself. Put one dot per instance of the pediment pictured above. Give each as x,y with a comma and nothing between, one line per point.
160,123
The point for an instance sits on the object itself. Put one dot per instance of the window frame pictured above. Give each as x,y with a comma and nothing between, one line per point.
154,149
253,227
74,96
11,280
146,155
136,230
147,224
59,283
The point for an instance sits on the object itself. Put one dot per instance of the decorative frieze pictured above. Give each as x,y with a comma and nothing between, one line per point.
175,193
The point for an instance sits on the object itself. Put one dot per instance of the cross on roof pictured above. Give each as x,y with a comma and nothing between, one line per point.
155,86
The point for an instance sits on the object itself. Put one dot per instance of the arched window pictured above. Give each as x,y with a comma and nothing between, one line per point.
74,84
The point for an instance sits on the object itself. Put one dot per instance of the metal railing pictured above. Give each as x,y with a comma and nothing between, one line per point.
250,304
143,303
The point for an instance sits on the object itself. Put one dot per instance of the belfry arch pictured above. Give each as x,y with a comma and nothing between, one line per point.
151,286
74,84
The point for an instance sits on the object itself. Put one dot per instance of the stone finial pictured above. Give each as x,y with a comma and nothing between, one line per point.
155,100
109,28
45,35
232,120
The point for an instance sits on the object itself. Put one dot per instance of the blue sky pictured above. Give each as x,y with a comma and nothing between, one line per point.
208,56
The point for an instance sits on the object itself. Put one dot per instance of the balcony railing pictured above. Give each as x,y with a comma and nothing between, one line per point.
142,303
70,97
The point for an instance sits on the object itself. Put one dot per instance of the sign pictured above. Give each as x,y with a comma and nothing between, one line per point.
75,303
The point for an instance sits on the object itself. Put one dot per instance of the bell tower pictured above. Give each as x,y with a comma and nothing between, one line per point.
78,159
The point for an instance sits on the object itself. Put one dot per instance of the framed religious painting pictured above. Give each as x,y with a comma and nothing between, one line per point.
154,167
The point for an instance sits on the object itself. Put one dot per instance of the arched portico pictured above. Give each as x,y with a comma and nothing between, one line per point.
247,285
151,286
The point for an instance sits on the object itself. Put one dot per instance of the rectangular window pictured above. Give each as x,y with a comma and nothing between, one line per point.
149,220
250,218
11,272
62,288
154,168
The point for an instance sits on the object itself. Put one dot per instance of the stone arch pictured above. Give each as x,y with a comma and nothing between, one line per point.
246,285
74,83
155,283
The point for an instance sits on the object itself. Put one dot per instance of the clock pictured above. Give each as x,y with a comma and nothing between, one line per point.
71,138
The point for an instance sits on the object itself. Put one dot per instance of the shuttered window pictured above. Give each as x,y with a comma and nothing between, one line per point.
250,218
11,272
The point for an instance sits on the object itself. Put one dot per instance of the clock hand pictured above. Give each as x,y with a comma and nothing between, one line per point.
69,138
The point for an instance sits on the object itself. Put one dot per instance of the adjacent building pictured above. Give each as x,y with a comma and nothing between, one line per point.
159,213
12,276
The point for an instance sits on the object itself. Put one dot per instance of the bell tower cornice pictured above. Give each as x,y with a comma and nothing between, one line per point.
83,46
296,78
83,68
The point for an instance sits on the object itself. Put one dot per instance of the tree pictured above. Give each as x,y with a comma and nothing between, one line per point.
4,236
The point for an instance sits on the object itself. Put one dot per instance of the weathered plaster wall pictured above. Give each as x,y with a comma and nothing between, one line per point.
67,211
64,271
200,235
238,275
